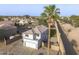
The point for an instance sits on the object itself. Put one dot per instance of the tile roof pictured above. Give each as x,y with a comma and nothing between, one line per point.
28,32
37,29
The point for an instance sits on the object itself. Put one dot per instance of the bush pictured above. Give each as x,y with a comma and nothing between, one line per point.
74,43
1,19
75,20
52,32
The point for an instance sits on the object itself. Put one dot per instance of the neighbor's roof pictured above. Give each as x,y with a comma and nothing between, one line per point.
28,32
37,29
42,28
6,22
6,25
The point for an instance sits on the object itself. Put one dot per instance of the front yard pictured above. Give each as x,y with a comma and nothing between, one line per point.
17,48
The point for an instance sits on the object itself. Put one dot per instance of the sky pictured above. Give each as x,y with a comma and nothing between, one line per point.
36,9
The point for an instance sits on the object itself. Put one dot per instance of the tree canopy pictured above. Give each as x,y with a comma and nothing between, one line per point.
49,11
75,20
1,18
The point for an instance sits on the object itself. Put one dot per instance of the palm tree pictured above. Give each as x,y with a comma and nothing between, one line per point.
50,14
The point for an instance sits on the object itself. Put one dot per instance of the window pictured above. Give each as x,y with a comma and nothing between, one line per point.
36,34
27,35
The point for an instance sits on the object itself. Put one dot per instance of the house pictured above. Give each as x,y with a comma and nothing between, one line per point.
7,29
33,38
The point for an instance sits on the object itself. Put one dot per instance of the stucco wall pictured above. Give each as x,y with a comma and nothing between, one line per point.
44,35
32,43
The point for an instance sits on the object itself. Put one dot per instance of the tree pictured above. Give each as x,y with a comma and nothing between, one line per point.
1,18
51,12
66,19
48,16
75,20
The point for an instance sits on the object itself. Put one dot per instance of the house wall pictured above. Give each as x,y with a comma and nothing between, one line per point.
10,32
7,33
44,35
38,37
32,43
30,36
39,43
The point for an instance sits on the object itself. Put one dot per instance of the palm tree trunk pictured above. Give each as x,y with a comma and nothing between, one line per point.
48,39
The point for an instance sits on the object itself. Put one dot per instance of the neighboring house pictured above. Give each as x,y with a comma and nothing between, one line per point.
33,38
7,29
3,23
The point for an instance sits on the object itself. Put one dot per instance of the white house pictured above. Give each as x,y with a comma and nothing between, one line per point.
33,38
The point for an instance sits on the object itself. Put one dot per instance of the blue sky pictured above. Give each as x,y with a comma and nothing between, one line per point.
36,9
